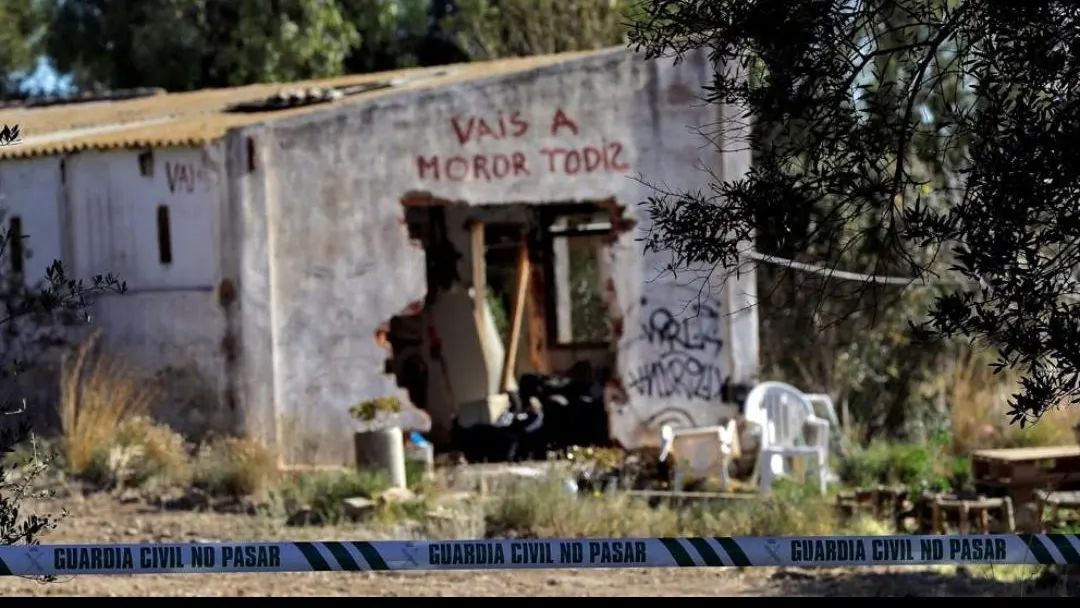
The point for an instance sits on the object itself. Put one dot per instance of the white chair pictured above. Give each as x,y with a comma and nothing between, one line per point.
783,414
722,439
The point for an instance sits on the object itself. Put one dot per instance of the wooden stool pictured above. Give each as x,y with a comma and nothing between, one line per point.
978,507
877,501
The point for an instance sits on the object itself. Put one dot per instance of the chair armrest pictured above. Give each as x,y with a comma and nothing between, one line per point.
822,427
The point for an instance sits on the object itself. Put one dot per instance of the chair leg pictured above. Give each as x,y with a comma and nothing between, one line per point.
725,462
823,472
766,473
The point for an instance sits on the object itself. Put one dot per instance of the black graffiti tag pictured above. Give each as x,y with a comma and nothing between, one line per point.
698,329
678,373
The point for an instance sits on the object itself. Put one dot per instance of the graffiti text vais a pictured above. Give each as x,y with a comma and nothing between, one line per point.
601,156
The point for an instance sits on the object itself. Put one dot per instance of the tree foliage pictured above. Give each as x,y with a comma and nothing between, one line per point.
190,44
930,133
492,29
183,45
21,29
32,318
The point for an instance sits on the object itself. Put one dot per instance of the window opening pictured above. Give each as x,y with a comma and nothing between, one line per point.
15,244
580,261
164,236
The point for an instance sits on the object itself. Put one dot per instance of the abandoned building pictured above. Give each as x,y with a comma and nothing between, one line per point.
302,248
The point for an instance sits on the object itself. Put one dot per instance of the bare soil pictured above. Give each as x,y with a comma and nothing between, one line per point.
102,518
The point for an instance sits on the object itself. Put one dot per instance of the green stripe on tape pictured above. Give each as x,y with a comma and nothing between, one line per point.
371,555
1061,541
734,551
342,555
1037,548
314,558
4,570
706,552
681,557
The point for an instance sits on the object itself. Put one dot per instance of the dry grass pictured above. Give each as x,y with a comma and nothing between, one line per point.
143,453
98,393
237,467
978,399
547,510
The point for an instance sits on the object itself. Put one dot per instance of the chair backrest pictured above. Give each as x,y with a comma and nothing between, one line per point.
781,410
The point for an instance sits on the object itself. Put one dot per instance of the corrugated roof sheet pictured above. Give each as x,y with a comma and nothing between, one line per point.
199,117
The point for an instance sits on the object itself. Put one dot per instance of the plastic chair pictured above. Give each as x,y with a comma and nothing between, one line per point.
782,415
725,437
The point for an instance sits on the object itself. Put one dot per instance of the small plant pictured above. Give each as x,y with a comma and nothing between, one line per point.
324,493
898,464
372,408
98,393
235,467
141,453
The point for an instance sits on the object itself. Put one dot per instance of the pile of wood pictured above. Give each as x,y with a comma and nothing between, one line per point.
929,512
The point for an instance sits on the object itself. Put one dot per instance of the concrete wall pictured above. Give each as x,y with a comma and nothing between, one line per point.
98,212
326,258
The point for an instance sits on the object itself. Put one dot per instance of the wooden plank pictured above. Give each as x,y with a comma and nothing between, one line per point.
1020,454
479,278
518,316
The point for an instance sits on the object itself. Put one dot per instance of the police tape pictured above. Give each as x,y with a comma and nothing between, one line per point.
350,556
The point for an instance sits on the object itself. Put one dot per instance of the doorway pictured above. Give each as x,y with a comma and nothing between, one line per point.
512,289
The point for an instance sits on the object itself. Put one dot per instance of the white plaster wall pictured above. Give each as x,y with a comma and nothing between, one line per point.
169,318
324,204
31,189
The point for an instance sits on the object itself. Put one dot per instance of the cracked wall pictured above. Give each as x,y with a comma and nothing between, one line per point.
325,257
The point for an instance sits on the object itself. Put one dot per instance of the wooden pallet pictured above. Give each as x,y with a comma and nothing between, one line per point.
965,512
1019,472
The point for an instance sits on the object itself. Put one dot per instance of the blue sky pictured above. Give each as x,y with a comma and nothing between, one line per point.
46,79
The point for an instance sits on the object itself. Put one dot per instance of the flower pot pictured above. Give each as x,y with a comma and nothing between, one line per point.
382,450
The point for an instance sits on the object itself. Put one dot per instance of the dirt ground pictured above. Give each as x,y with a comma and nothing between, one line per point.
100,518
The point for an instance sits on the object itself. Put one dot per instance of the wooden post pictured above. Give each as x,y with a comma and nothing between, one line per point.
516,320
479,281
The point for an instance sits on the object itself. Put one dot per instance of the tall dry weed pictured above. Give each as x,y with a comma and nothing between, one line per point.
979,404
98,393
237,467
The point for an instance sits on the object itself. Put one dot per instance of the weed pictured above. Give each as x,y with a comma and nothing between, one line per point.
235,467
931,466
98,393
325,492
547,509
141,453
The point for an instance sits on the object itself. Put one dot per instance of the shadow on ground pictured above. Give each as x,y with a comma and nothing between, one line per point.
917,584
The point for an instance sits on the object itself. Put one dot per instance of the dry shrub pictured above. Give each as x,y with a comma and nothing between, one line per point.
141,453
979,402
98,393
236,467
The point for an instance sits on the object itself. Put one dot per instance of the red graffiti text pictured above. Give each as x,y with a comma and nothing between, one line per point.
570,159
588,159
487,167
498,128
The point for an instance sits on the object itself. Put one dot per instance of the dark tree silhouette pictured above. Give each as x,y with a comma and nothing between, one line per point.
938,133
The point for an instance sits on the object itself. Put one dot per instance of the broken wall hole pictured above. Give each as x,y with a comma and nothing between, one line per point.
518,321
